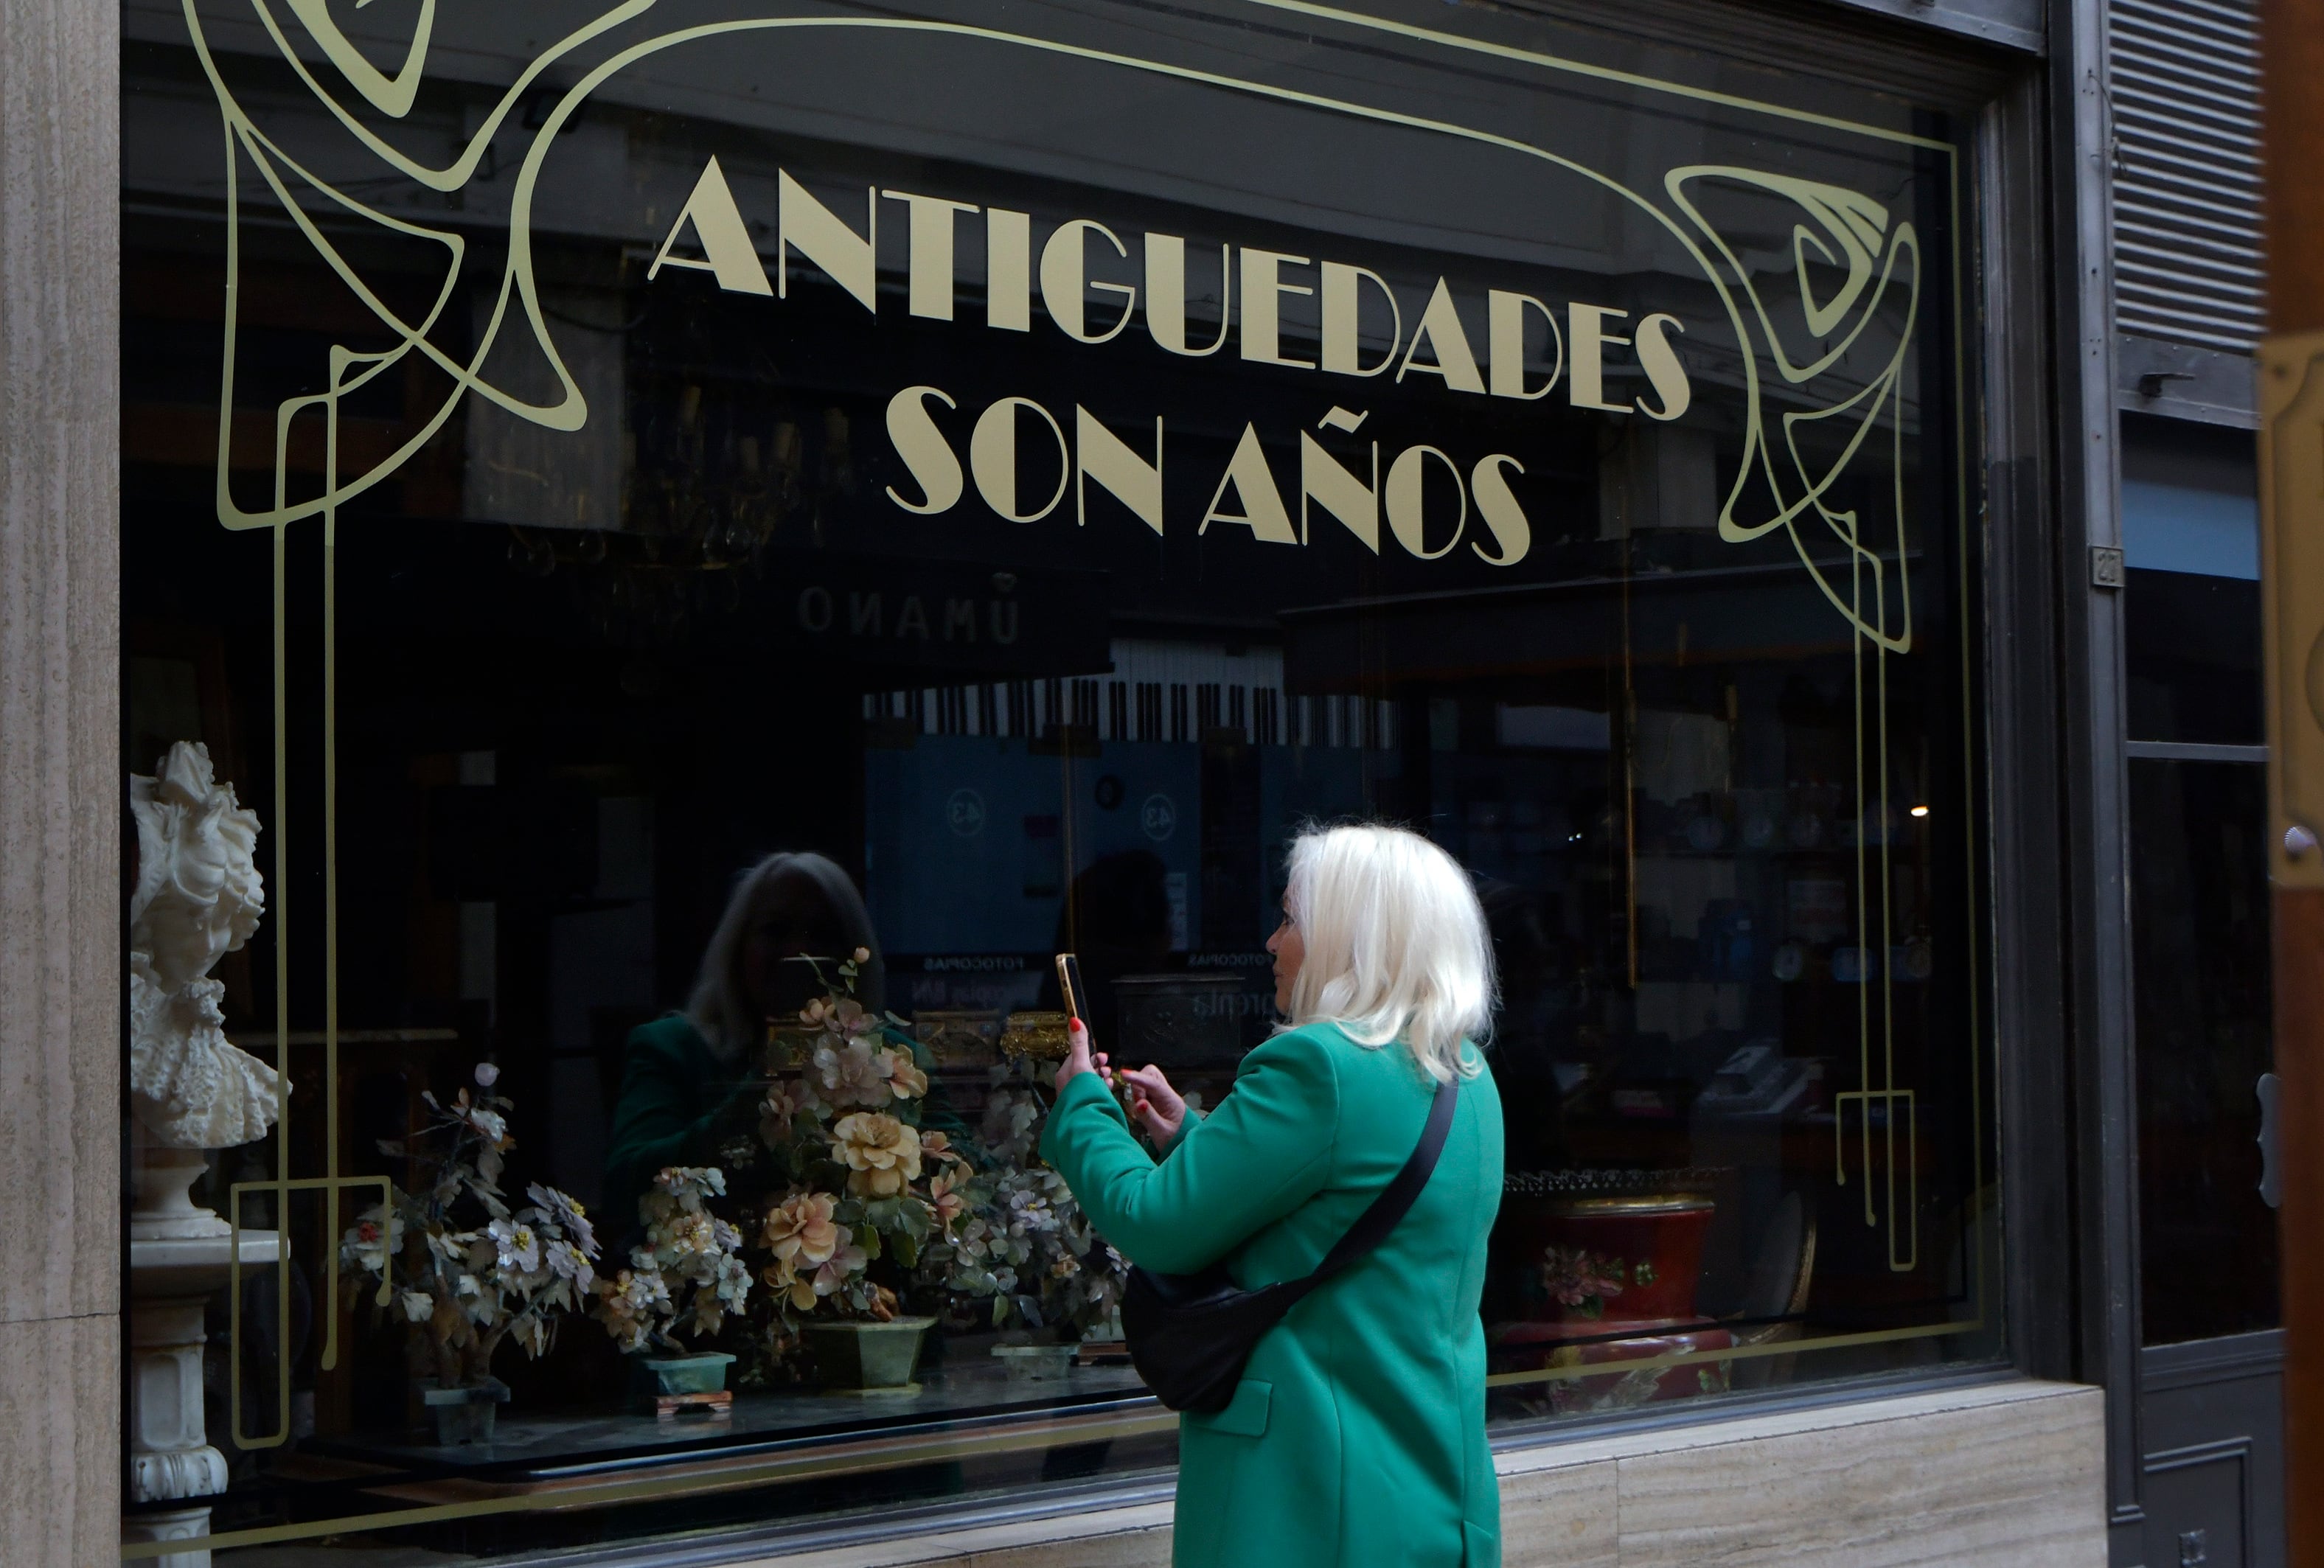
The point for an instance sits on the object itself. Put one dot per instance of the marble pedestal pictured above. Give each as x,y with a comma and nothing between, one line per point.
179,1258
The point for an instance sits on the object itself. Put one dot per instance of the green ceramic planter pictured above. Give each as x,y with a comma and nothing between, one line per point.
870,1357
466,1415
703,1372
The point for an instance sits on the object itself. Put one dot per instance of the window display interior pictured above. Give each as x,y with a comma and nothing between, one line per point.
708,566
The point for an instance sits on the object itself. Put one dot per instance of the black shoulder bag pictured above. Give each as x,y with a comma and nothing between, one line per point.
1190,1335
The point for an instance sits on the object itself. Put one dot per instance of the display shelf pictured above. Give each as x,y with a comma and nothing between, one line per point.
530,1450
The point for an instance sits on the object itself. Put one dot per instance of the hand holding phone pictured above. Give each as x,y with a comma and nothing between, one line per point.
1078,1059
1069,987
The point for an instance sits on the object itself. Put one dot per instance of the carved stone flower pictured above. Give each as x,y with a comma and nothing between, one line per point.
881,1154
781,1107
567,1261
842,1015
836,1269
784,1280
905,1079
372,1241
800,1230
516,1246
944,1197
566,1212
630,1304
851,1073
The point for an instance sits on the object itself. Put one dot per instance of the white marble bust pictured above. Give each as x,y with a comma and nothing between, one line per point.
198,897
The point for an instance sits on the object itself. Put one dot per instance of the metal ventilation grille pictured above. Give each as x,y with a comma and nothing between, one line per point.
2187,173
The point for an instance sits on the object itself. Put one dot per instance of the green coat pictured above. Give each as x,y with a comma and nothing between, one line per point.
1357,1438
675,1093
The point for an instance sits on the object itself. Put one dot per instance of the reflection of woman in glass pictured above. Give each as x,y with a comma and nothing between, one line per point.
1357,1432
688,1083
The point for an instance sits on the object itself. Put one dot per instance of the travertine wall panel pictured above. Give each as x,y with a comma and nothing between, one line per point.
1135,1537
59,664
60,1442
1561,1515
2000,1483
59,794
2003,1475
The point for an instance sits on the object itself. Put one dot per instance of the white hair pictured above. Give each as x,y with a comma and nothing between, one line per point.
1397,946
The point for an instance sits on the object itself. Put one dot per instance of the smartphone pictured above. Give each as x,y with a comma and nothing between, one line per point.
1069,987
1077,1000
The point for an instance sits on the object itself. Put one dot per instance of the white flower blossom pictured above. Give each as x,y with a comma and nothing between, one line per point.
562,1210
516,1245
850,1073
567,1261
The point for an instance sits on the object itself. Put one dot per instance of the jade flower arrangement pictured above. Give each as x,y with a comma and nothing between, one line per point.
454,1261
1015,1247
686,1276
864,1188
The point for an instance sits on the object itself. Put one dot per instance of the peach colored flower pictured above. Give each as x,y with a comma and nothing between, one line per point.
785,1281
806,1278
935,1148
944,1198
905,1079
800,1230
783,1103
882,1153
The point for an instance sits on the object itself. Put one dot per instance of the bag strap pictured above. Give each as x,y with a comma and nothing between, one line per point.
1396,1200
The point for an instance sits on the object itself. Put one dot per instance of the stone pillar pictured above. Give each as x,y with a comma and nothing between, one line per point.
180,1257
169,1450
170,1456
60,801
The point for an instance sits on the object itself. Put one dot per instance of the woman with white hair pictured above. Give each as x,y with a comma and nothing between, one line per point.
1357,1433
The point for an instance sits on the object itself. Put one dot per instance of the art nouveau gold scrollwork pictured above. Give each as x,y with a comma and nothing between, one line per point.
1876,258
1852,232
348,371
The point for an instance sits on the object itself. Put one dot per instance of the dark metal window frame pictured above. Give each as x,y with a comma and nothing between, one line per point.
2072,1144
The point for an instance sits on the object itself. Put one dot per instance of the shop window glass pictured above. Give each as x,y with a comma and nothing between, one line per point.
707,565
2199,892
2199,903
2190,540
